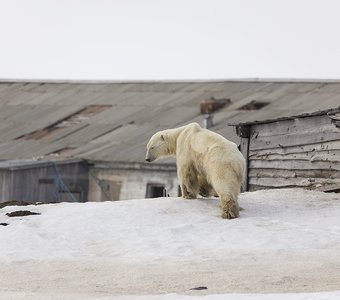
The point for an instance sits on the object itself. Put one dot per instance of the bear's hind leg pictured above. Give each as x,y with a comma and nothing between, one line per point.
229,207
227,187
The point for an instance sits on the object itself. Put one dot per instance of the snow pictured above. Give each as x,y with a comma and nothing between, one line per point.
285,245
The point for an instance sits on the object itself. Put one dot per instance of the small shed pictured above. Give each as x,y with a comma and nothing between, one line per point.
299,151
44,181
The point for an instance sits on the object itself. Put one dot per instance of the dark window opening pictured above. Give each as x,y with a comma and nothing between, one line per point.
254,105
155,190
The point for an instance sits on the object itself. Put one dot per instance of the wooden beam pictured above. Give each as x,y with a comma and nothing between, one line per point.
244,148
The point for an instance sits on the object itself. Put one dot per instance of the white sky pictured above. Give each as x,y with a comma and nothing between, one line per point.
169,39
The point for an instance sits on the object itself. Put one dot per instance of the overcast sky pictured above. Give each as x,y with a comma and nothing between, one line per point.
169,39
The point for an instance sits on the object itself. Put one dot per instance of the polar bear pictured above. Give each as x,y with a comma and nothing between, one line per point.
207,163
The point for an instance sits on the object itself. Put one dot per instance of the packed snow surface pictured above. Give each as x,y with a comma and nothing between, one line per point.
286,244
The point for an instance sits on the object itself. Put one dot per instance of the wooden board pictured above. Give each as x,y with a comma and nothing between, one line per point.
331,145
325,134
279,173
289,182
294,165
244,150
290,133
312,156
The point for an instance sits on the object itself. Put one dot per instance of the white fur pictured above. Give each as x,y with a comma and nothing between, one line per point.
207,163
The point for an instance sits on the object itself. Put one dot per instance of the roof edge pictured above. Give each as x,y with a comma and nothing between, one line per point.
125,165
141,81
304,115
21,164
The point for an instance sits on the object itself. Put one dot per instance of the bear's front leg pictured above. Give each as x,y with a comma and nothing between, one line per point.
205,189
186,193
188,182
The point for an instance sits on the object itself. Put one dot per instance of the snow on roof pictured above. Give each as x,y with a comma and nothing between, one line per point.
285,241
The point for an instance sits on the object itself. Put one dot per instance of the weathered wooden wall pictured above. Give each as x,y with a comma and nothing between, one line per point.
41,183
5,178
301,152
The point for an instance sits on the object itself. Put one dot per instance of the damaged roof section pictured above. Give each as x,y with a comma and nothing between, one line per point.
113,121
69,121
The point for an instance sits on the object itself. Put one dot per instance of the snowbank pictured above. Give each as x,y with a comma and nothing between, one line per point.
284,241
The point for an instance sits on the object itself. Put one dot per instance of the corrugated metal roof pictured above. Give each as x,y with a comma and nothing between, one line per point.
138,109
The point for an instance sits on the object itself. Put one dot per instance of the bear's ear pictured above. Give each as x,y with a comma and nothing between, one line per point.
163,137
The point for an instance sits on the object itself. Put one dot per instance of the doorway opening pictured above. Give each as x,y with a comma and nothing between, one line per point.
155,190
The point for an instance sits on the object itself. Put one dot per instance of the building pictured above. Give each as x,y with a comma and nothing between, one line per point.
113,181
299,151
44,181
108,124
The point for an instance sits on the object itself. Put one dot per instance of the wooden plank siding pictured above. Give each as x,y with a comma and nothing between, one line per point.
301,152
45,182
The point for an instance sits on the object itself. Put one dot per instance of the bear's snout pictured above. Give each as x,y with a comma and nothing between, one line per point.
149,157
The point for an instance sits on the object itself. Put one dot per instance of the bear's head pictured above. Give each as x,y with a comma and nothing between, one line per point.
157,147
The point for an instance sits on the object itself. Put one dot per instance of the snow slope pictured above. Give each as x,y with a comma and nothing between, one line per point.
284,241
